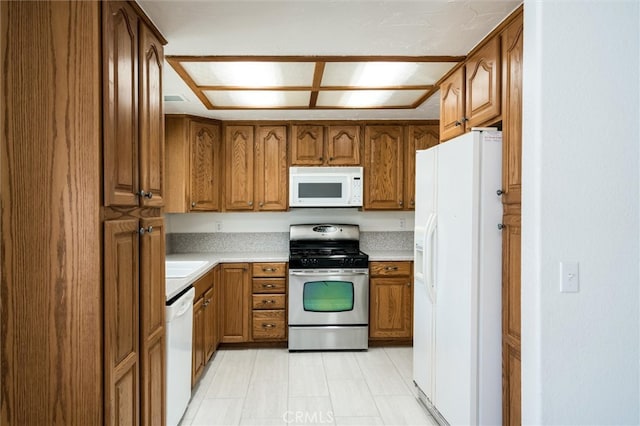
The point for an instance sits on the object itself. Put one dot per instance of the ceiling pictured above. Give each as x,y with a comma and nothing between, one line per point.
328,28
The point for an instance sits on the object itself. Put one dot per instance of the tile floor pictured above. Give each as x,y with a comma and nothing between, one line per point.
274,387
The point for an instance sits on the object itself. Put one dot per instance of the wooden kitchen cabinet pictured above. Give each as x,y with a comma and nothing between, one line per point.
204,323
238,164
121,321
452,103
133,127
418,137
512,56
272,171
193,166
307,145
383,167
235,286
269,301
134,239
152,320
391,301
482,92
256,168
471,95
325,145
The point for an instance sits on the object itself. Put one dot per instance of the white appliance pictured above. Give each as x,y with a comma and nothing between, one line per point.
179,321
457,358
325,187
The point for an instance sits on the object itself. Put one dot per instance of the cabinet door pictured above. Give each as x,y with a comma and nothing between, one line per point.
512,112
307,145
343,145
391,308
197,353
383,180
209,323
239,152
152,330
205,166
120,58
418,137
271,168
482,72
511,316
452,105
151,119
121,322
236,299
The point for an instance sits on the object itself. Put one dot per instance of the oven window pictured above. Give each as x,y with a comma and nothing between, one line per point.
320,190
328,296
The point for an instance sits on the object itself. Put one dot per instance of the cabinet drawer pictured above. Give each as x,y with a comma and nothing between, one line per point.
269,269
268,301
269,285
269,325
204,283
389,269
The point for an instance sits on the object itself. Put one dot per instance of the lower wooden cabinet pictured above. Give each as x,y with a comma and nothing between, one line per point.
205,323
269,302
391,301
235,292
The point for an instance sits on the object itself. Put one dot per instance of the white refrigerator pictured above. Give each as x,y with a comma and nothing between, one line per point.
457,357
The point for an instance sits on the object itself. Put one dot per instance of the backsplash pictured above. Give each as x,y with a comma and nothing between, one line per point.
275,241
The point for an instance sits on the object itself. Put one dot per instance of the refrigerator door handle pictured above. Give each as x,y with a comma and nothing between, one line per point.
429,247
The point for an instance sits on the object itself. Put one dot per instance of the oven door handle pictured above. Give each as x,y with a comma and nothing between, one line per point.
327,273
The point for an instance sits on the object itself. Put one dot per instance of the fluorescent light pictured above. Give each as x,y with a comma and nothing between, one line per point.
258,98
250,73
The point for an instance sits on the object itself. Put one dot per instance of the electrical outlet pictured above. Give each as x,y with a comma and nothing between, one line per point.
403,223
218,226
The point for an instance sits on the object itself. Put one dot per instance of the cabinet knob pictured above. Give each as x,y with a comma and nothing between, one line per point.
269,269
330,158
499,192
408,284
147,230
260,204
265,301
391,268
193,204
250,203
268,286
399,202
412,202
144,194
465,119
268,325
320,158
458,123
501,226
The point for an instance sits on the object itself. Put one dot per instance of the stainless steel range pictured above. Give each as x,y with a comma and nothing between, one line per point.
328,288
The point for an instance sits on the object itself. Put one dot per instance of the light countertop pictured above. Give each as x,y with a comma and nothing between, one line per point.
176,285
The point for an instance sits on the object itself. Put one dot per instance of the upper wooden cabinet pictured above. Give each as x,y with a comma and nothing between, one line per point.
193,149
271,179
133,128
452,105
417,137
512,45
332,145
470,96
256,173
238,160
482,73
383,167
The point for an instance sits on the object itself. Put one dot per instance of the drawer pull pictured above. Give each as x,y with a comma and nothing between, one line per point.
268,325
265,301
268,286
269,269
391,268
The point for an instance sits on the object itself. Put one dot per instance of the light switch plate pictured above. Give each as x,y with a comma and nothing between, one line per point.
569,277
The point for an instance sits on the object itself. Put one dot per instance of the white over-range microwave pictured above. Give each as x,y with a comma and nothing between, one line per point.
325,186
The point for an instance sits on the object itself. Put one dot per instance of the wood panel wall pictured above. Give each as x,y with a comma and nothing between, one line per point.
50,292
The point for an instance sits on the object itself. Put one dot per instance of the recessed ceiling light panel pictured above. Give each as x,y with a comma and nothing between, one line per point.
253,74
258,98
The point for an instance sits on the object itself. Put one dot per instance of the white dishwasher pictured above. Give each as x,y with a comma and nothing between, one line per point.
179,319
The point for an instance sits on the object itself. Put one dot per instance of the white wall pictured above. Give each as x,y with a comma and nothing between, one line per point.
581,351
280,221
